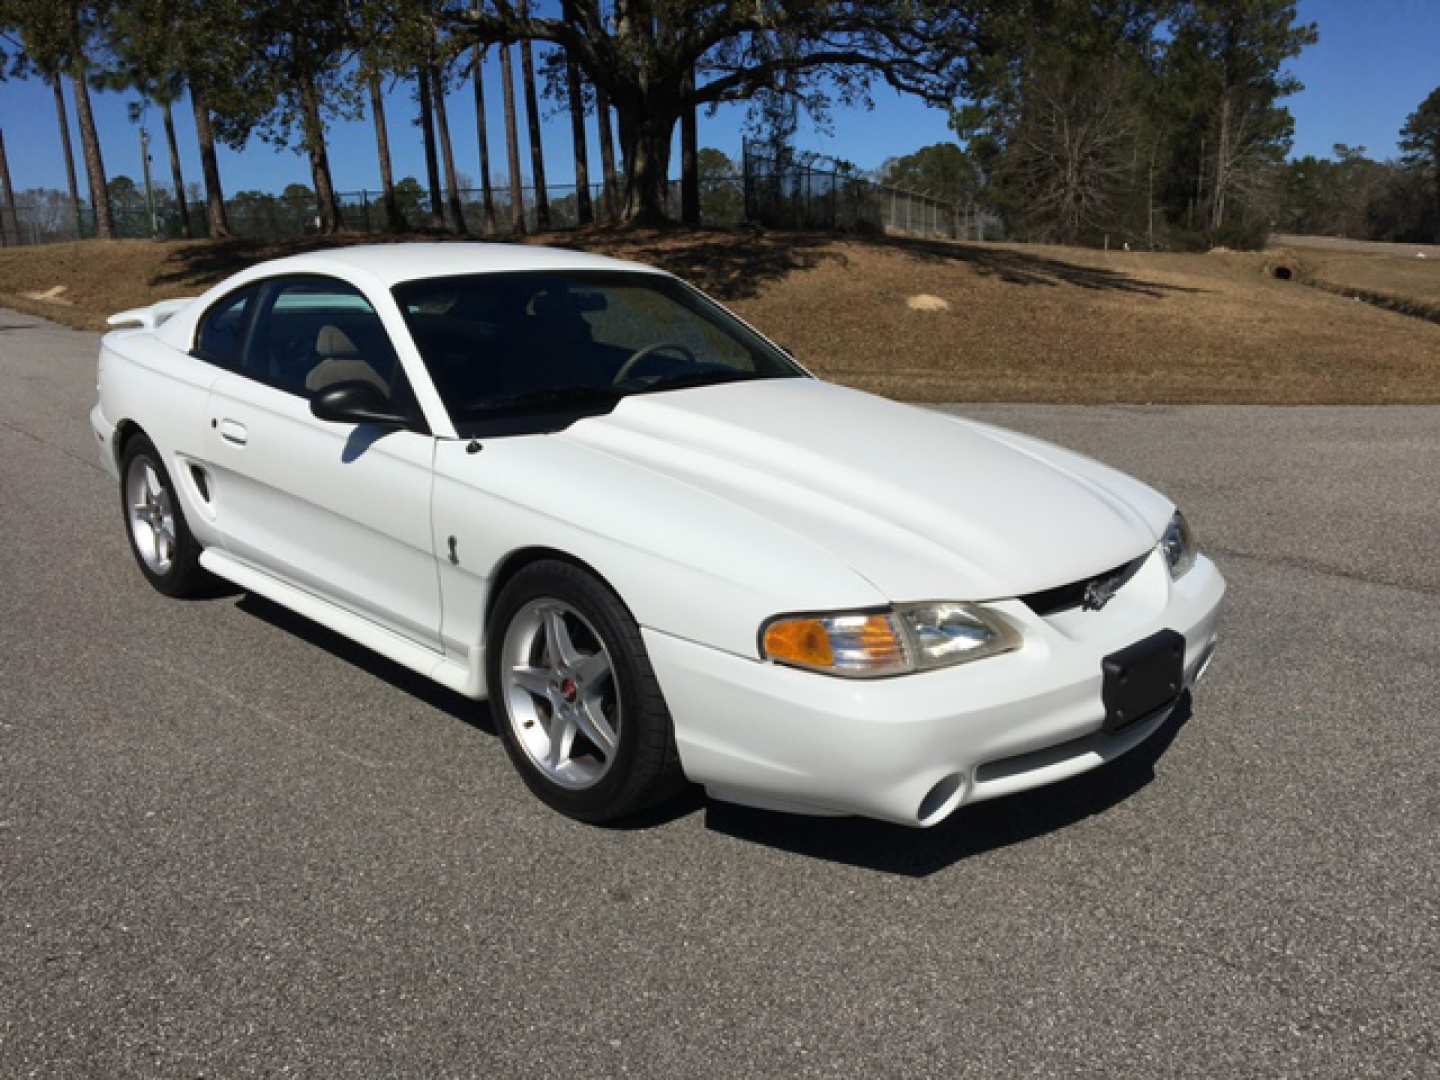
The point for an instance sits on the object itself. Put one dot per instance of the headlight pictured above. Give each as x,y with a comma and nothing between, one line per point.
1178,543
867,644
946,633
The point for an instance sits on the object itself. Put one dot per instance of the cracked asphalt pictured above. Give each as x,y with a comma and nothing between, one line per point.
232,844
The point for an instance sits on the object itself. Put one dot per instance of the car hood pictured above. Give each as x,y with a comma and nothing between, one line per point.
922,504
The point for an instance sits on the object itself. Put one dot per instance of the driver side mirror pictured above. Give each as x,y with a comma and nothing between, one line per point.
354,403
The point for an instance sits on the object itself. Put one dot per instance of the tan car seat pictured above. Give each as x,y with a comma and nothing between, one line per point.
340,362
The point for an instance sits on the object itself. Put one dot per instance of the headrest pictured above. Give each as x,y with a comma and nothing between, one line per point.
338,369
334,342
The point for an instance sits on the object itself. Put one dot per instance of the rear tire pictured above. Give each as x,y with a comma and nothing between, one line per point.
574,697
164,548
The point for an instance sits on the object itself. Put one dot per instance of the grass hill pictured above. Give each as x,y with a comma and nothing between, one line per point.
993,322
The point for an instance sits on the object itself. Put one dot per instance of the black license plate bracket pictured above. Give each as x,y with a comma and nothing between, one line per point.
1141,678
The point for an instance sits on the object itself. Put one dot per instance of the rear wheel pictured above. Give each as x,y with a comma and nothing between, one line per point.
166,552
574,696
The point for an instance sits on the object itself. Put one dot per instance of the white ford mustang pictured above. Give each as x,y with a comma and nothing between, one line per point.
660,547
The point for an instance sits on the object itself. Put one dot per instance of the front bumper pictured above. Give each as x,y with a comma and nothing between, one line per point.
913,748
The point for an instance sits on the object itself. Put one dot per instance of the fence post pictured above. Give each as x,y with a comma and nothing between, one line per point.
745,176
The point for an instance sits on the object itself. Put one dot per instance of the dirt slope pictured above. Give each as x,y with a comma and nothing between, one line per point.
1020,322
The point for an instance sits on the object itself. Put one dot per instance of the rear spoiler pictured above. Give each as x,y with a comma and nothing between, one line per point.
148,318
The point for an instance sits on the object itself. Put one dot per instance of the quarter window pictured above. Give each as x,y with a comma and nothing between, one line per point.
222,335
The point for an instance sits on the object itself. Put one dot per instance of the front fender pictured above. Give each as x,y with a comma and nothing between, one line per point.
686,562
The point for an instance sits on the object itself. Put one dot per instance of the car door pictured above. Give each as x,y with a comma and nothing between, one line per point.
341,510
176,417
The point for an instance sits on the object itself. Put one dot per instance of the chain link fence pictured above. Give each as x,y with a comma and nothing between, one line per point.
809,191
791,192
50,217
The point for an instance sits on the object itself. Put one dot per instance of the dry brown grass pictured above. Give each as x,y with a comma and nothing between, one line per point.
1411,286
1025,323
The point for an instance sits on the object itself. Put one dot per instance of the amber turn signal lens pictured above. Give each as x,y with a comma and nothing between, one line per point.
859,644
800,641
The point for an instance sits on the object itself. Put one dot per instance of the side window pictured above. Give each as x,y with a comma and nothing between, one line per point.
314,332
222,333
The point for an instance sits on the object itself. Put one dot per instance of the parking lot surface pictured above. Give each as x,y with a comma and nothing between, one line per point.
232,844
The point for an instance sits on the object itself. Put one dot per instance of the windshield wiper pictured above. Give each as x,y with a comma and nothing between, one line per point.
555,397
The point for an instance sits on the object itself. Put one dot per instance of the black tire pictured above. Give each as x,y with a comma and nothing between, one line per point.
646,767
184,577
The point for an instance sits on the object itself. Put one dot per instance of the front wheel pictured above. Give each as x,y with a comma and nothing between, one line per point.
574,696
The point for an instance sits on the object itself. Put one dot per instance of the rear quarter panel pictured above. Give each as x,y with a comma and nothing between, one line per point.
165,392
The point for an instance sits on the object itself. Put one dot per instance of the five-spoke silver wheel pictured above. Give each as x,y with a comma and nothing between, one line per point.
560,694
151,515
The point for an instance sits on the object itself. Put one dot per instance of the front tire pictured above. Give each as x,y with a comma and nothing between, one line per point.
574,696
164,548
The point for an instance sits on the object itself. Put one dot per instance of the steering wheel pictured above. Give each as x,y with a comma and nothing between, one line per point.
642,354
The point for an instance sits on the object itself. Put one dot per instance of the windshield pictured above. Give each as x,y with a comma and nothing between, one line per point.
573,342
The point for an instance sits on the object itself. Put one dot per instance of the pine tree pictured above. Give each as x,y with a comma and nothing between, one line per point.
512,145
532,116
482,136
1420,140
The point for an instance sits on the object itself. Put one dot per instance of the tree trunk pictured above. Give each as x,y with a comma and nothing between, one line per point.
1150,201
607,156
1222,166
10,222
175,174
512,144
74,186
689,160
432,164
214,194
447,154
393,221
577,136
482,137
330,219
315,187
537,152
94,163
645,141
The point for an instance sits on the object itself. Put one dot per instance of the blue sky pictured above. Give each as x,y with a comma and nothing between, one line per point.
1375,62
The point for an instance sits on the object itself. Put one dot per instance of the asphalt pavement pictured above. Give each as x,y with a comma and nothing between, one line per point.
232,844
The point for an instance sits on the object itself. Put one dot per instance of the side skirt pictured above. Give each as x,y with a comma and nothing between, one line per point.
464,676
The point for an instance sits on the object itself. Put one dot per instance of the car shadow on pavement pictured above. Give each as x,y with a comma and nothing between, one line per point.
874,845
474,713
971,830
477,714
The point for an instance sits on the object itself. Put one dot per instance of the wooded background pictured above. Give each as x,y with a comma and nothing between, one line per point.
1156,123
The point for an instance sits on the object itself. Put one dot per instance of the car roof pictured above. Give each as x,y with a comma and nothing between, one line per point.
394,263
386,265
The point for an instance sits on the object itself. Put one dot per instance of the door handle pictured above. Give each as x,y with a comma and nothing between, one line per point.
232,431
